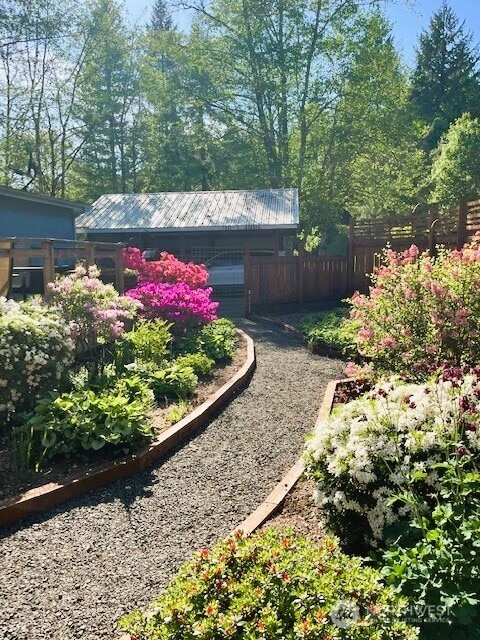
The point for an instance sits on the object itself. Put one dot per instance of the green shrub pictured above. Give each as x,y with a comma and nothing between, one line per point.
365,452
440,572
274,586
173,381
149,341
329,330
84,420
201,364
218,339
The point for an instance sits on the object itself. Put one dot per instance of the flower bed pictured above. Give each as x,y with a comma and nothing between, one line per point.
101,408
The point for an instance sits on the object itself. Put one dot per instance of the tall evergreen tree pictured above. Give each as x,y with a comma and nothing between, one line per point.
109,99
161,17
446,77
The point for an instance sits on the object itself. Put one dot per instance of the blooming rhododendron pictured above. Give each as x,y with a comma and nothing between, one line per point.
95,312
175,302
168,269
421,312
35,353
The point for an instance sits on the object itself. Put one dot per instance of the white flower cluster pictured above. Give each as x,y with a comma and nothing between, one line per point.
366,451
35,351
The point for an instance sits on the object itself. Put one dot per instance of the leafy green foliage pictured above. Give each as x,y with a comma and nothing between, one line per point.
177,412
173,381
328,330
201,364
148,341
83,420
218,339
456,170
277,586
441,572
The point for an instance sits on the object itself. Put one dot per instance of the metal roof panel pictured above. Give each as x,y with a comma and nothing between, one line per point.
198,209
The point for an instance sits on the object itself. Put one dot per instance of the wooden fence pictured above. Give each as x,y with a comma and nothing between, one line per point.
51,256
287,283
292,283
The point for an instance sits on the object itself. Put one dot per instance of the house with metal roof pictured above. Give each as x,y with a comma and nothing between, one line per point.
210,227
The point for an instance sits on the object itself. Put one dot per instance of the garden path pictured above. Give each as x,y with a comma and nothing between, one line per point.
71,572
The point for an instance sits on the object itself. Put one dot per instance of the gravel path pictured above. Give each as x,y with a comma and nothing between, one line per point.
69,574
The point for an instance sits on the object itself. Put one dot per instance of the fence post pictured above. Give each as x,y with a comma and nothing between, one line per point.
119,270
462,224
247,281
48,263
351,258
89,254
301,279
432,221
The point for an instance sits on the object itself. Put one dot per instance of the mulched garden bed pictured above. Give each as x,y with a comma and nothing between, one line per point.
13,482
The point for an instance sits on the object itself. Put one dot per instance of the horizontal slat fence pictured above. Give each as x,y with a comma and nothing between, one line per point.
52,252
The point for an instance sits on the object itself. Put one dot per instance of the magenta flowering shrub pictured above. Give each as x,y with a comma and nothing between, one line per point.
177,303
94,312
168,269
421,312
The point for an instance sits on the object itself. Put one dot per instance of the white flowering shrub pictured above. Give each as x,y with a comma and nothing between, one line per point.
371,448
35,352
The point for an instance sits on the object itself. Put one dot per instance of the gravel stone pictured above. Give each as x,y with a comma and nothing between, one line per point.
71,572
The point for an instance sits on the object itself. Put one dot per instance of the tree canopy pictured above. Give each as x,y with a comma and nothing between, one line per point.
255,94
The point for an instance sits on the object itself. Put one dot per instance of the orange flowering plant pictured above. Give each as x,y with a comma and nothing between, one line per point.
273,586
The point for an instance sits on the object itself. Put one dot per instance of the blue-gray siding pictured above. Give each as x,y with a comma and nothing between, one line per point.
22,218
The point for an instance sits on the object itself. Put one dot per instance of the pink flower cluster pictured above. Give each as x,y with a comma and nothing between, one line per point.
421,312
171,289
175,302
168,269
94,311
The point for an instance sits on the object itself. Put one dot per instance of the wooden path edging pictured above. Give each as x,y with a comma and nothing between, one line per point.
275,499
41,498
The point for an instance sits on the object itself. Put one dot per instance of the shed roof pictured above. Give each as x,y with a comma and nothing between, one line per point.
193,211
33,196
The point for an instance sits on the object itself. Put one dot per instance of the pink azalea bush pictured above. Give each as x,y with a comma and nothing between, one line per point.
168,269
177,303
421,312
94,312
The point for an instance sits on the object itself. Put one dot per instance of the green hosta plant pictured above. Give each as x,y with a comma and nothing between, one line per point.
274,586
83,420
201,364
173,381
